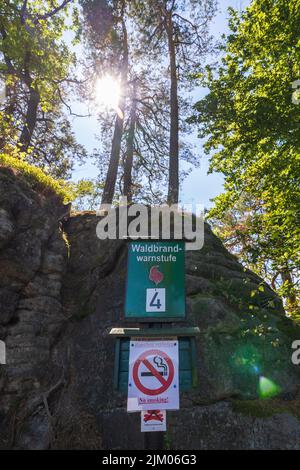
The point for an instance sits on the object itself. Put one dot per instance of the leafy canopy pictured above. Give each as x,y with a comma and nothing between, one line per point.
252,130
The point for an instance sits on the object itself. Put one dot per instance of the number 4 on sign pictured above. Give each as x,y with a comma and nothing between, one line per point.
156,300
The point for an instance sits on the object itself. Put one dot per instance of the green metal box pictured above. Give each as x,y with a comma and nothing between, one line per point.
187,364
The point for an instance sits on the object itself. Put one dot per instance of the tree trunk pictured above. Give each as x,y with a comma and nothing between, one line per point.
173,190
30,122
291,298
112,172
128,163
8,112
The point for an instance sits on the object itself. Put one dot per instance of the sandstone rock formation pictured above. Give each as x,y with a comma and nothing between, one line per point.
62,290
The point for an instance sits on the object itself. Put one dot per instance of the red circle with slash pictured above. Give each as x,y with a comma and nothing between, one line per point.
143,359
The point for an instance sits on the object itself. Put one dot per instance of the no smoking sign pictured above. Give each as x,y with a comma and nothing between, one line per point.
153,375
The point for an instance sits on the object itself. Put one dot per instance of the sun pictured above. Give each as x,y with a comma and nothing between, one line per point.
107,92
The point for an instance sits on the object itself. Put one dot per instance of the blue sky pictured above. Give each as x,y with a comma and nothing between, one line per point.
198,187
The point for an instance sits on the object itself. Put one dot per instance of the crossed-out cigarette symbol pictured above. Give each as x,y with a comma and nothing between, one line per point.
164,377
160,364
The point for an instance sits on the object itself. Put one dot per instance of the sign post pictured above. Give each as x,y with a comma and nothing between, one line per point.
155,293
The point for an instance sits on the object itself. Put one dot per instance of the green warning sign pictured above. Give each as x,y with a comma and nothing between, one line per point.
155,288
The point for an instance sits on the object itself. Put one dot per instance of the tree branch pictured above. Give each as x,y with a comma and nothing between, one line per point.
69,107
53,12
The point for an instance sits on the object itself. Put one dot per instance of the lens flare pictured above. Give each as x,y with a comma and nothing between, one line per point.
246,359
267,388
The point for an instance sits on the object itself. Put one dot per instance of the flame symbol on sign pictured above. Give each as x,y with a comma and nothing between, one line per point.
155,275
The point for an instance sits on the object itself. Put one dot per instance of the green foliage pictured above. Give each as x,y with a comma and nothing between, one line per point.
252,129
84,193
37,179
88,194
32,44
35,64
